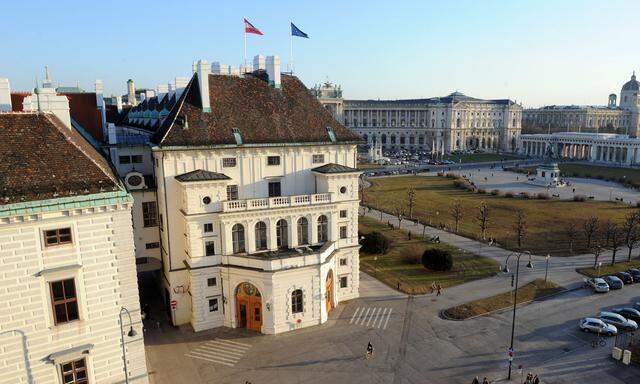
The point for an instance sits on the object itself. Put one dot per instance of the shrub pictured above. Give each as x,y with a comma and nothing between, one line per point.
543,196
440,174
579,198
375,242
451,176
413,254
481,190
437,259
525,195
495,192
509,194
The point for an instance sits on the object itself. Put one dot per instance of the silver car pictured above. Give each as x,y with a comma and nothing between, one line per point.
591,324
618,321
597,284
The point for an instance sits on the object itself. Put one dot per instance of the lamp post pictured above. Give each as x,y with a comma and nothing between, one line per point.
131,333
505,269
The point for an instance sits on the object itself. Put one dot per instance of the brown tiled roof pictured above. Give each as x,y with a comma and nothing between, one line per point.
83,109
40,159
262,114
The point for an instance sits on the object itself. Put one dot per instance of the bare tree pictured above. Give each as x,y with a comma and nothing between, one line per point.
411,201
483,219
571,232
520,227
613,239
630,230
398,212
590,227
456,214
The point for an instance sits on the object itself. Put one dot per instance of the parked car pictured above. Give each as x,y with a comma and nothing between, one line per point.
635,273
614,282
625,277
628,313
590,324
618,321
637,306
597,284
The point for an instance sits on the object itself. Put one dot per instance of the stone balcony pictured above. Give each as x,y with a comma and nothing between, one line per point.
276,202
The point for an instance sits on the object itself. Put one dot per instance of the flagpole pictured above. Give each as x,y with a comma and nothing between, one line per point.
290,50
244,29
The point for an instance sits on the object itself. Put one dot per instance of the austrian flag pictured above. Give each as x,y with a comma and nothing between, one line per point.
249,28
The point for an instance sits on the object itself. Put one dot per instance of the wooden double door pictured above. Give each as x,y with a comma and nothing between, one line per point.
248,307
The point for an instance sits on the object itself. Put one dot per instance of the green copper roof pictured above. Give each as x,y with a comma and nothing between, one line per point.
74,202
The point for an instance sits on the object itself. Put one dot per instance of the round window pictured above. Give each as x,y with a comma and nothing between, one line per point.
206,200
134,180
343,190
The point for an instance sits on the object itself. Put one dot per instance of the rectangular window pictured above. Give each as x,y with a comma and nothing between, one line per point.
232,192
64,301
152,245
343,261
74,372
208,227
210,250
343,213
150,214
57,236
141,260
343,232
343,282
274,189
136,159
273,160
213,305
229,162
318,159
211,282
124,159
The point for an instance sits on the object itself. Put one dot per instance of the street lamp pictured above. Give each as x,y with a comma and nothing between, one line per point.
505,269
131,333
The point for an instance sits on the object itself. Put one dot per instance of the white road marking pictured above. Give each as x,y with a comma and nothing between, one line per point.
388,316
381,318
354,315
365,316
235,342
225,352
210,360
376,311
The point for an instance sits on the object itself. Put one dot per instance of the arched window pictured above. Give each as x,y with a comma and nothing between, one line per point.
303,231
323,229
237,237
383,139
261,236
282,238
296,301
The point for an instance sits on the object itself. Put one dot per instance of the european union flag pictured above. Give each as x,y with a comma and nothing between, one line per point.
295,31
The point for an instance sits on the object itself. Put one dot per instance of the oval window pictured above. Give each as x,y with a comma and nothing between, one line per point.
206,200
343,190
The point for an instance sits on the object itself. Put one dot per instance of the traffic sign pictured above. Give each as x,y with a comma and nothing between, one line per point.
174,304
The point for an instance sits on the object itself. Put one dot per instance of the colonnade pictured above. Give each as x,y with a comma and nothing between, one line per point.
606,153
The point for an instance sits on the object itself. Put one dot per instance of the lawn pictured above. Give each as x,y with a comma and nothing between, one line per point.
546,220
526,293
393,267
478,157
608,269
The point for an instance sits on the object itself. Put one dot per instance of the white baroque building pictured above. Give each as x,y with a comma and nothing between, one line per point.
257,195
67,266
438,124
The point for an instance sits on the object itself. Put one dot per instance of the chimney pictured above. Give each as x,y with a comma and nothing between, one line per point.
47,100
258,62
203,70
131,93
5,95
181,83
119,103
194,67
100,105
273,71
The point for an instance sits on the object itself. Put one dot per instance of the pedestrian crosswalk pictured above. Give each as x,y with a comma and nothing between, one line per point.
219,351
371,317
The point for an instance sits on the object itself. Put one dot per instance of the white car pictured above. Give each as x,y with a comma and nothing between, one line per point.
618,321
597,284
590,324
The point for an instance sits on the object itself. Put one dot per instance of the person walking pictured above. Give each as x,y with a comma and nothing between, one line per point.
485,381
535,380
369,353
475,380
439,288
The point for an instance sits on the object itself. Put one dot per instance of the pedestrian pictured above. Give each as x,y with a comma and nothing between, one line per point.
475,380
485,381
439,288
535,380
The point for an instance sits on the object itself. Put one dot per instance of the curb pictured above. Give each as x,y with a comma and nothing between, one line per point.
443,316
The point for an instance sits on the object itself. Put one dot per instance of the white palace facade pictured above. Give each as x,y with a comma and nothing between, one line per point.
256,195
438,125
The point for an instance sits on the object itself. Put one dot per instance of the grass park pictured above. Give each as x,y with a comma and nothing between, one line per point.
477,157
399,264
547,222
629,176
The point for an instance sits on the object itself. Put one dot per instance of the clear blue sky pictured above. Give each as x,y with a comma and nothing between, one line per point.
537,52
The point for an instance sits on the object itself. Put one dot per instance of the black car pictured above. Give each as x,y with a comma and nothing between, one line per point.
614,282
635,273
625,277
628,313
